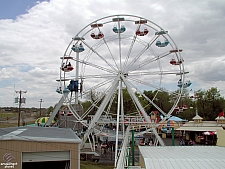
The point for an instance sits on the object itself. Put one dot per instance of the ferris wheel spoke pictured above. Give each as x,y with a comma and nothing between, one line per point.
149,100
119,41
129,51
140,54
108,81
137,73
106,43
94,65
146,62
150,85
111,53
93,88
102,58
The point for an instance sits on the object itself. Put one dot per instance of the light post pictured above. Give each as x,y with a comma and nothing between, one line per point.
40,105
195,100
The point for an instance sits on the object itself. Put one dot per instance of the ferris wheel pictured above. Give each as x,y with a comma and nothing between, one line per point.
117,53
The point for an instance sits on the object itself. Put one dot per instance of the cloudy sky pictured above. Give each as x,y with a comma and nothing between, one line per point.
35,34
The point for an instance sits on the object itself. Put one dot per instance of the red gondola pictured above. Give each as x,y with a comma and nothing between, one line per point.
67,68
184,107
142,33
174,62
180,109
65,114
177,108
98,36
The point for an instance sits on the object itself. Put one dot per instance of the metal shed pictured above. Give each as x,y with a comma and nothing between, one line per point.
39,147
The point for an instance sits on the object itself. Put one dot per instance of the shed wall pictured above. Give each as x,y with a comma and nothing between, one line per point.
16,147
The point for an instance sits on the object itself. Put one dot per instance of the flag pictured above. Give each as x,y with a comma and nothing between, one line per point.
221,114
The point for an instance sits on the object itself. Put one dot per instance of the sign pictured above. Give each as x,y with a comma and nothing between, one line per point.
8,158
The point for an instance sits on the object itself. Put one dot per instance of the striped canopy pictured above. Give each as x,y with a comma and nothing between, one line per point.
169,123
43,120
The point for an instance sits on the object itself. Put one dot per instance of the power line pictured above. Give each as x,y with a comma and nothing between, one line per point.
20,102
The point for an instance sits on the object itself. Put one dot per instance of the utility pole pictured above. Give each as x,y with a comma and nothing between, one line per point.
40,105
20,102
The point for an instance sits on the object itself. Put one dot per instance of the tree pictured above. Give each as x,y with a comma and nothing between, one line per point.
209,103
50,109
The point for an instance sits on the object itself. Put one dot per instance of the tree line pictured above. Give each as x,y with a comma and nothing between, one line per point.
206,103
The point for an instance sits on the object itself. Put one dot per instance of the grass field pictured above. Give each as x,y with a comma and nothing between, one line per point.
7,114
92,165
12,119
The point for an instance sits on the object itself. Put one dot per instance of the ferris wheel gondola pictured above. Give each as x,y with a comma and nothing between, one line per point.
186,84
121,30
174,62
162,44
67,67
142,33
78,48
97,36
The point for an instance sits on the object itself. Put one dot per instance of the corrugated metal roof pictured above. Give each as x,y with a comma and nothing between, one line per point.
183,157
45,134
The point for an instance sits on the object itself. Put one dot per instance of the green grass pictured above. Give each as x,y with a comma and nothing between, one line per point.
4,115
5,124
93,165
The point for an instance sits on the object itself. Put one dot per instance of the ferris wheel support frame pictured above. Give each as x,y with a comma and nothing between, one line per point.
117,83
143,111
100,110
117,121
55,111
77,75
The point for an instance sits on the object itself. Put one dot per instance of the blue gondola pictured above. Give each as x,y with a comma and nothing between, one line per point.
73,86
66,90
59,90
162,44
121,30
185,85
79,48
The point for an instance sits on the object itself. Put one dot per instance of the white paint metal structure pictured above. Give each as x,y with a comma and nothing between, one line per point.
185,157
122,51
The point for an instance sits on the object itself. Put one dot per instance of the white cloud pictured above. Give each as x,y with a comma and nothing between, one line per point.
31,45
